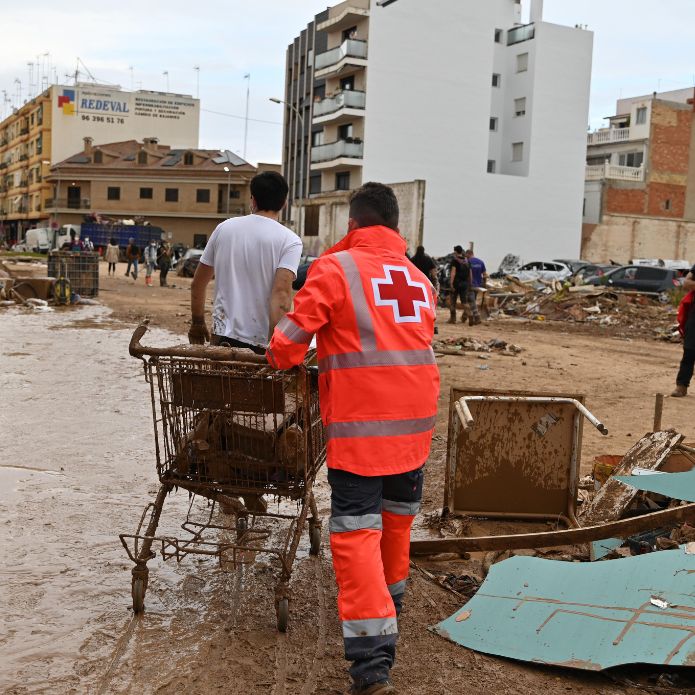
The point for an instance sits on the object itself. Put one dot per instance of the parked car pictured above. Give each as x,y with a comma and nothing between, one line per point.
302,271
591,270
189,262
639,278
543,270
573,265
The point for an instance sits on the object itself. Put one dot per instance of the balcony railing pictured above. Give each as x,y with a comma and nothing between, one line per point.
600,172
350,48
24,131
335,150
608,135
70,203
345,99
519,34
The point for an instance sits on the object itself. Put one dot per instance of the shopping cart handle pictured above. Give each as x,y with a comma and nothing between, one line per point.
210,352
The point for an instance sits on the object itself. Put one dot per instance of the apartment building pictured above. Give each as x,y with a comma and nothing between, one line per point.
639,194
185,191
50,127
490,112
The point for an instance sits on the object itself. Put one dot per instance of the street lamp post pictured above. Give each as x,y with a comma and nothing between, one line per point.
301,161
229,186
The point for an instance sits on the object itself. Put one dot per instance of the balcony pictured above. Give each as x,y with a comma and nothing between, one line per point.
329,108
342,149
606,136
602,172
519,34
68,203
349,49
343,19
24,131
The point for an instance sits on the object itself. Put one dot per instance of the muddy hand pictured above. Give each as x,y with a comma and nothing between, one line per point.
198,334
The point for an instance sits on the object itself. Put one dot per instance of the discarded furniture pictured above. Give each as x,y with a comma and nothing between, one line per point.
82,269
514,455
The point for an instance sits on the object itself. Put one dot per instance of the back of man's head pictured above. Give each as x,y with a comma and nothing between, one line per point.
269,189
374,204
458,249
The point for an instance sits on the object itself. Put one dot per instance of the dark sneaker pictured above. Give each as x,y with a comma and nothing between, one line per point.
382,688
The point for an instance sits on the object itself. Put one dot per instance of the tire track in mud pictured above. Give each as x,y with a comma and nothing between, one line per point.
117,654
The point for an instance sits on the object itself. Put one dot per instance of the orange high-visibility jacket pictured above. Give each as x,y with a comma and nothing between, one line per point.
372,312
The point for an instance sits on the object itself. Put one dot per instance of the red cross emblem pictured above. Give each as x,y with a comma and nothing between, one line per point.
403,294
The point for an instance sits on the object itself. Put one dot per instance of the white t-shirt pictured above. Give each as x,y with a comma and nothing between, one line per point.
245,253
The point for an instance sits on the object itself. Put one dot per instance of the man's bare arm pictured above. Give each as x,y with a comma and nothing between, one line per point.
199,334
689,283
280,297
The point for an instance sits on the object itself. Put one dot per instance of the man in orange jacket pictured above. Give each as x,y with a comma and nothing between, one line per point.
372,312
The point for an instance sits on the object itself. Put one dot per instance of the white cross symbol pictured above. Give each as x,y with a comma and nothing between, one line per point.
399,291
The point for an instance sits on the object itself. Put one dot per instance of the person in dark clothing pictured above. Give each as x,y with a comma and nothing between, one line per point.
460,284
426,265
685,373
164,262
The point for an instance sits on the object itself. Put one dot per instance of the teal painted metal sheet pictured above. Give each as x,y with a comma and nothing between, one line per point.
588,616
679,486
599,549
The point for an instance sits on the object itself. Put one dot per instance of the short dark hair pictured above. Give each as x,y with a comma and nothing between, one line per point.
458,249
269,189
374,204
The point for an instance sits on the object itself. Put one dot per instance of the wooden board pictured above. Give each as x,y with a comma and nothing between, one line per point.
613,499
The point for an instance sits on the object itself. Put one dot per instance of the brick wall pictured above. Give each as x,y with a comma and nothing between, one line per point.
631,201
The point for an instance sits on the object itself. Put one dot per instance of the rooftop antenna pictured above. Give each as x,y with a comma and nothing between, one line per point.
197,81
31,78
132,78
166,74
18,82
45,70
247,77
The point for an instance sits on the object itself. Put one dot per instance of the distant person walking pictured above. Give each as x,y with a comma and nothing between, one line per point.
164,262
460,285
132,254
479,281
686,321
426,265
150,261
111,255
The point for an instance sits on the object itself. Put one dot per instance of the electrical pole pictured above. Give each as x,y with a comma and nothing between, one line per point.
247,77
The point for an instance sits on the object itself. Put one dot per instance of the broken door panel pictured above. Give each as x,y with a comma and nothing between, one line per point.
679,486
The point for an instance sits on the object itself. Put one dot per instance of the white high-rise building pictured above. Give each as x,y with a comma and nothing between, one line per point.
490,112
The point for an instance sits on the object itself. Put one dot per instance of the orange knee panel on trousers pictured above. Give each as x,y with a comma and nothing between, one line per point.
362,592
395,546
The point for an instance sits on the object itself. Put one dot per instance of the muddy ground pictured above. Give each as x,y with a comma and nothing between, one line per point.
77,467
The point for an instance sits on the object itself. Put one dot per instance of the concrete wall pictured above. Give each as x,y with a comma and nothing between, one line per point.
333,217
622,237
428,111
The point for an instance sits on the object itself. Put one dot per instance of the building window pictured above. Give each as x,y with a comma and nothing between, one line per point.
345,131
233,193
199,241
491,166
493,123
522,62
315,184
202,195
641,115
520,106
496,79
517,152
631,159
667,204
188,158
113,193
142,157
145,194
347,83
39,145
317,138
342,181
499,35
171,195
98,157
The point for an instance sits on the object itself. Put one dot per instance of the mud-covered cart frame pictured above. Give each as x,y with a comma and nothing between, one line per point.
228,427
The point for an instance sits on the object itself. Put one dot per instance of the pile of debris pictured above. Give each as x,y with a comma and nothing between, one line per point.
462,344
646,314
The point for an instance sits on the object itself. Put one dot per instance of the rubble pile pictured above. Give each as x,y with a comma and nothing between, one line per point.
463,344
645,314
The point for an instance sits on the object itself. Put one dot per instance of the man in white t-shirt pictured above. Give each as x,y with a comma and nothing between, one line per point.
254,260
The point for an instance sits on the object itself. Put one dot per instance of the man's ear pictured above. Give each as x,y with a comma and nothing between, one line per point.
353,224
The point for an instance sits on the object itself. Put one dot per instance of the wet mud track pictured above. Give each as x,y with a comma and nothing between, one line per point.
77,468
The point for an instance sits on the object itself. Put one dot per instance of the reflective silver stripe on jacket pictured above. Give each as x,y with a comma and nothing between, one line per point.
272,357
372,627
398,588
379,428
365,325
401,508
384,358
293,332
343,524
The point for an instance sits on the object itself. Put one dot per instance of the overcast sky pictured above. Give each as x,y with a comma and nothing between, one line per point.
640,46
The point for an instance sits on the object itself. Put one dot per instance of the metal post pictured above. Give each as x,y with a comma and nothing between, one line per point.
658,411
229,186
247,77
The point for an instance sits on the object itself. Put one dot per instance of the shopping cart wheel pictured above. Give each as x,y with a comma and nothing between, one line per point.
138,591
315,538
283,614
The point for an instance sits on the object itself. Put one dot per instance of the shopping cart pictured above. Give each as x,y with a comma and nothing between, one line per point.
227,428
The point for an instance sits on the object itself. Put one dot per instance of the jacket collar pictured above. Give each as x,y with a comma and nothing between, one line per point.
378,237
